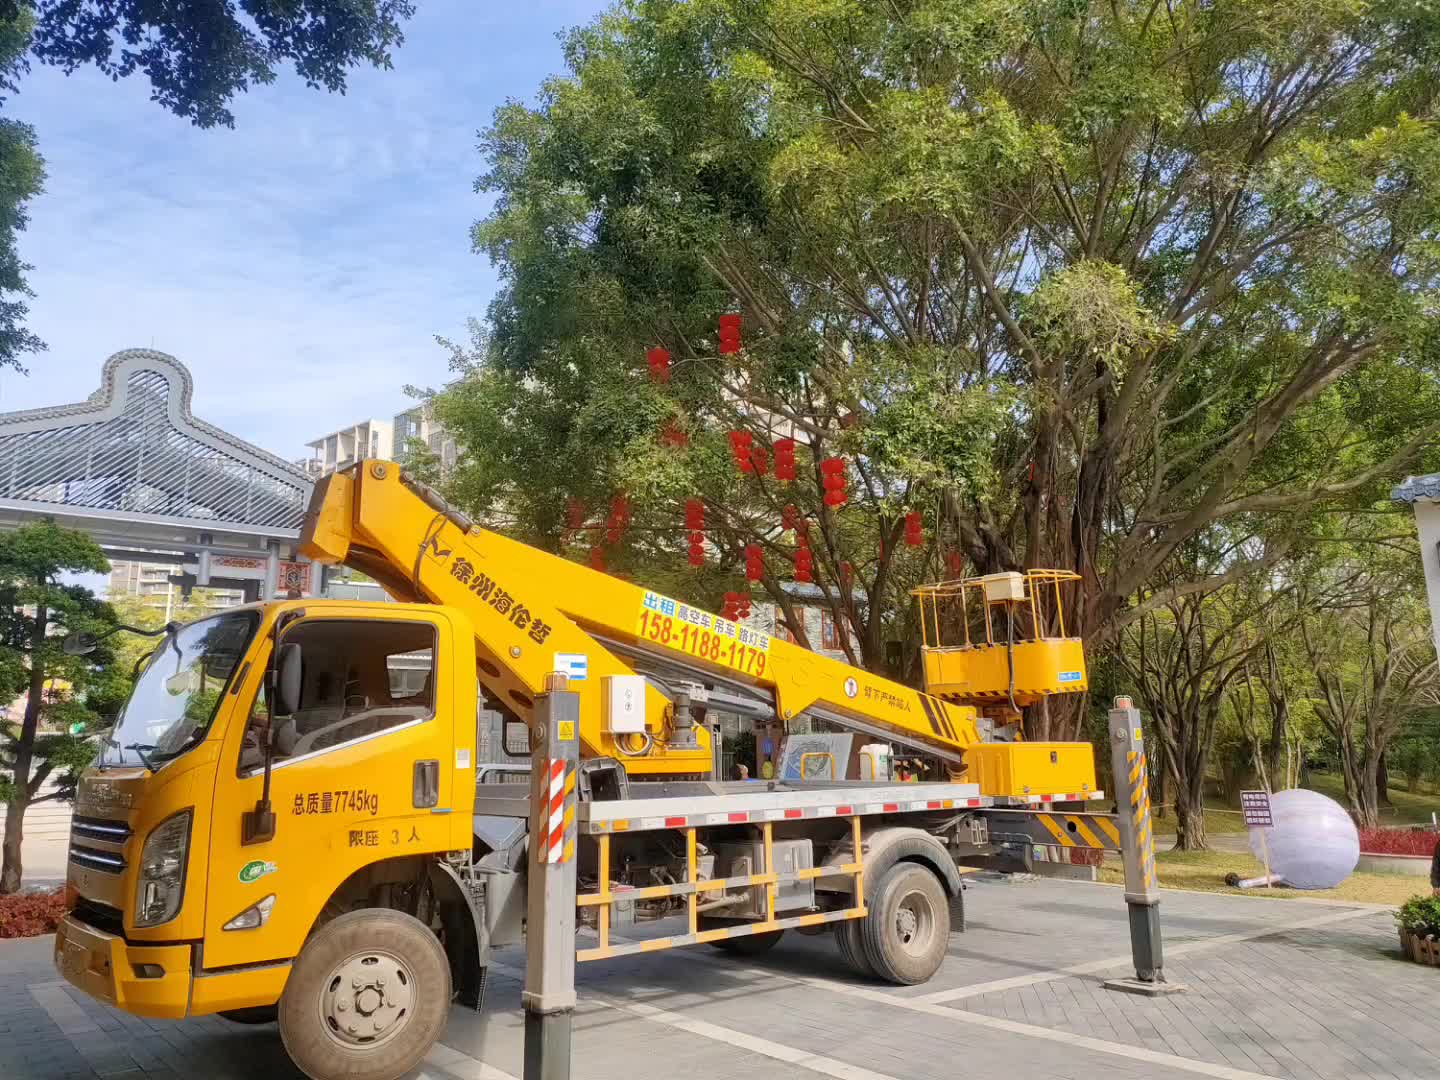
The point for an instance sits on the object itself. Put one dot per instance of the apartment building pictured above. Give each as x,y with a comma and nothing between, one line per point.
389,439
151,582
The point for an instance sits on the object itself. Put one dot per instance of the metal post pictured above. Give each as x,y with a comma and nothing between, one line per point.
549,994
1137,849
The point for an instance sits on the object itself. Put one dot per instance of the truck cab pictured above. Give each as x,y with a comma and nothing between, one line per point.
196,873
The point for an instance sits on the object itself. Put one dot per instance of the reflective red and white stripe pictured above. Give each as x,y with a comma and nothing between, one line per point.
1077,796
789,813
558,843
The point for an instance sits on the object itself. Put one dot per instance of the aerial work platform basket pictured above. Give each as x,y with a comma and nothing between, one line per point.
1000,638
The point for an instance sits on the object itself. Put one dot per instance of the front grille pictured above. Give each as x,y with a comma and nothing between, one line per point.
108,862
102,917
102,829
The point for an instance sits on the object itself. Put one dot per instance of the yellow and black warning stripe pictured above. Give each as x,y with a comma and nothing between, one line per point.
1081,830
935,712
1055,829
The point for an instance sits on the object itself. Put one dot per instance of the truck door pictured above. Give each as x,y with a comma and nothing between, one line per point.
361,773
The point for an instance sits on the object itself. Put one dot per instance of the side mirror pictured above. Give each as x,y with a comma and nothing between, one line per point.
287,681
80,643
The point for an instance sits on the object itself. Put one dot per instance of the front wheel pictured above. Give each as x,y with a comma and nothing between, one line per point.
367,998
908,928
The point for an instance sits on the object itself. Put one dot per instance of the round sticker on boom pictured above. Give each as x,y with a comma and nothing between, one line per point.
254,871
851,687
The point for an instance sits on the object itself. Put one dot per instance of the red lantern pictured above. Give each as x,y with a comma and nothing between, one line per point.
619,511
847,574
694,514
597,558
760,459
955,563
789,515
754,562
785,459
832,475
741,444
574,514
804,560
729,334
659,361
914,529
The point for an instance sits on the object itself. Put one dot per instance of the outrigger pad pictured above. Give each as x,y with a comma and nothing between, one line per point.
1144,989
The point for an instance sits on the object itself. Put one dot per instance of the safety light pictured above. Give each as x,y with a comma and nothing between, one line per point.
254,916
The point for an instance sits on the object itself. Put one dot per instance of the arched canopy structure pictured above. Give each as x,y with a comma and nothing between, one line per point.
133,466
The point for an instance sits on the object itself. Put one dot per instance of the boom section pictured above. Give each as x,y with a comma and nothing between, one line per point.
535,612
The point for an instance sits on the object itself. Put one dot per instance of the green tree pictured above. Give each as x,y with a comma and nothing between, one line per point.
37,611
22,174
1086,284
1373,666
196,56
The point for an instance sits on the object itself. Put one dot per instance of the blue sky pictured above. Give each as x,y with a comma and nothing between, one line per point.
299,264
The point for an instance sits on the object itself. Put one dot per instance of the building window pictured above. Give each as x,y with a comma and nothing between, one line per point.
829,632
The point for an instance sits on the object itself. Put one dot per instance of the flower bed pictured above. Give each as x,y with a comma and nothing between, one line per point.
1419,919
31,914
1398,842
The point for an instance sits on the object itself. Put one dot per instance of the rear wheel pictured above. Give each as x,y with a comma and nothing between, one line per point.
257,1014
745,944
367,998
907,930
848,936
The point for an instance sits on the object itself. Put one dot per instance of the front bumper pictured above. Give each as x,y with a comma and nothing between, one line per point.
108,968
158,980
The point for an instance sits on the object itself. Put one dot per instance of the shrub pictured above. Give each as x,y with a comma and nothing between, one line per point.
31,914
1398,841
1420,915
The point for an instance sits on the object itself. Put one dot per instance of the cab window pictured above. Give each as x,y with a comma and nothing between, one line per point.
358,678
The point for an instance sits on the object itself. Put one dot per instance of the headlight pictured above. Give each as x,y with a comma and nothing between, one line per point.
162,871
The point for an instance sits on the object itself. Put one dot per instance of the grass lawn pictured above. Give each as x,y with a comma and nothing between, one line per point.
1407,810
1221,817
1205,871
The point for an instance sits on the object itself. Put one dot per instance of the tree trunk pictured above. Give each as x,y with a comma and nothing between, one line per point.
14,837
1366,802
1158,799
1190,813
1382,782
1275,752
12,870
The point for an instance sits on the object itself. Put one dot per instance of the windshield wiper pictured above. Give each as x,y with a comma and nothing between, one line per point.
189,741
140,749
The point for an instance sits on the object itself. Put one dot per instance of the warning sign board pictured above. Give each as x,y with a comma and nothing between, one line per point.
1255,805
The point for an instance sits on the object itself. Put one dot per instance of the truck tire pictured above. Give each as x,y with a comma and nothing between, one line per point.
746,945
848,937
908,928
367,997
256,1014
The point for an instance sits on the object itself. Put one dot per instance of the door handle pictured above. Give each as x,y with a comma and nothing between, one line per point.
426,786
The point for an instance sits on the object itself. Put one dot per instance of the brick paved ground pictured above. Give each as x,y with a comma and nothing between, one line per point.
1279,989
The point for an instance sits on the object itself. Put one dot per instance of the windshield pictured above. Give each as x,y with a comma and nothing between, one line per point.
177,695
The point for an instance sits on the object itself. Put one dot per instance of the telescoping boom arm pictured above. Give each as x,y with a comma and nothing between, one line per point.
535,612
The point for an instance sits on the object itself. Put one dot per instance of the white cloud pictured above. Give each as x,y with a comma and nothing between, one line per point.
298,265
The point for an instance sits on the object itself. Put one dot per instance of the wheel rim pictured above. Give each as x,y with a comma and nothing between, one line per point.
914,923
368,999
